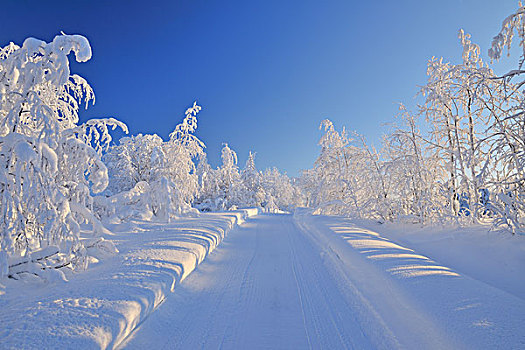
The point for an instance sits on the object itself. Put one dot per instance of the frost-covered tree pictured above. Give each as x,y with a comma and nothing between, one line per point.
333,185
227,188
350,176
414,190
455,107
221,188
469,167
50,164
168,168
280,194
182,151
208,181
135,159
508,127
513,24
229,182
253,193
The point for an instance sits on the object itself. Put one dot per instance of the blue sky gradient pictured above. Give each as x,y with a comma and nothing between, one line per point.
265,72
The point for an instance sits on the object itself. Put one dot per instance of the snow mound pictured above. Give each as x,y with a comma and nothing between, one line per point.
102,306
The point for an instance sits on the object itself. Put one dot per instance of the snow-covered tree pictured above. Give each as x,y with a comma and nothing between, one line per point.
468,168
208,180
508,127
168,168
135,159
411,173
456,109
514,23
227,188
182,151
327,185
221,188
333,184
229,182
50,164
251,178
280,194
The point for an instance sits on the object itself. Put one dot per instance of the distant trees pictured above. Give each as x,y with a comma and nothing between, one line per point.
220,188
253,187
227,187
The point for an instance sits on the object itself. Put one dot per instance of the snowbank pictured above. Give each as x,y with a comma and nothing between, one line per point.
102,306
495,258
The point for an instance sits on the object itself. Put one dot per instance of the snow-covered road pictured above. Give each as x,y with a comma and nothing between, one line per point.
266,286
281,281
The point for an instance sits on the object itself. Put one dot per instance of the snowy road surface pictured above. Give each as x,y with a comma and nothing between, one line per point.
288,282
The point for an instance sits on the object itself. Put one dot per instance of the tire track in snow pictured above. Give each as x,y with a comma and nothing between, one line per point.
301,299
327,309
269,308
409,300
179,323
246,284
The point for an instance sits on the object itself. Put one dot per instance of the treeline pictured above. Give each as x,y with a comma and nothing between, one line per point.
57,174
149,178
469,166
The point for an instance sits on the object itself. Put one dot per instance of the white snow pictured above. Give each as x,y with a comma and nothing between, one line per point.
493,257
100,307
279,281
324,282
425,302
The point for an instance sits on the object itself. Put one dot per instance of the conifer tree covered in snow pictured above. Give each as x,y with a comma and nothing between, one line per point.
227,187
251,179
221,188
51,164
229,180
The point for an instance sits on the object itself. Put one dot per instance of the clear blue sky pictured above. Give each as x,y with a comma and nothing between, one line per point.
266,72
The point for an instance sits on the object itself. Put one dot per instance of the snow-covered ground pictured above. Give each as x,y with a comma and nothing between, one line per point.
100,307
496,258
282,281
265,287
324,282
434,297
